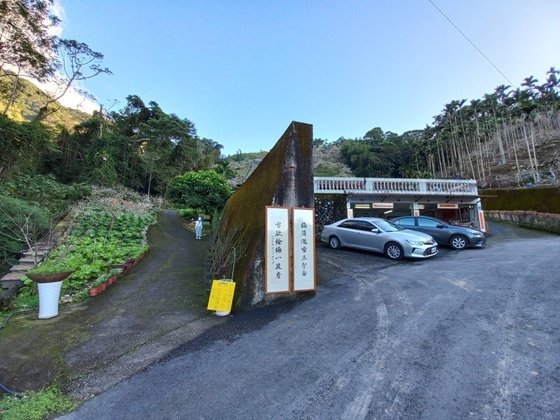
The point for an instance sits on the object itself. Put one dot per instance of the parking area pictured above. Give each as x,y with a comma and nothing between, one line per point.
470,333
465,334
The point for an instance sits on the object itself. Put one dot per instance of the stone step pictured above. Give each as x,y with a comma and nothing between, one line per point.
22,268
45,244
39,252
29,259
6,284
12,276
12,279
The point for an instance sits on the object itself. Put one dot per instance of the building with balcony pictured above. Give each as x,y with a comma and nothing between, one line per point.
453,200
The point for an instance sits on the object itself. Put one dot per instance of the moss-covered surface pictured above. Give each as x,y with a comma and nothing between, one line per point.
35,405
542,199
530,219
287,166
46,363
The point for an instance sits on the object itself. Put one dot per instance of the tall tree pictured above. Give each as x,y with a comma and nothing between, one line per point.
29,49
78,63
27,46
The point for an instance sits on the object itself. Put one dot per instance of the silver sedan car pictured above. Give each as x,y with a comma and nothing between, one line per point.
379,235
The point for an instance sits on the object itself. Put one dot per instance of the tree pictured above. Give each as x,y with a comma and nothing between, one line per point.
375,134
204,189
78,62
27,48
21,146
222,168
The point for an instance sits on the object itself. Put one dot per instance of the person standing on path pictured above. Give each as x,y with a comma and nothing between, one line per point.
198,227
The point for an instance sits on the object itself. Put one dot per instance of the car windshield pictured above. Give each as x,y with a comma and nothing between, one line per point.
388,226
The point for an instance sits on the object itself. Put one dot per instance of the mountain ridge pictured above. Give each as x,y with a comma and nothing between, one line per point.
29,101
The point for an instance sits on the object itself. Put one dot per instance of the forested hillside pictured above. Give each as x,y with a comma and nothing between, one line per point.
28,102
50,156
510,137
507,138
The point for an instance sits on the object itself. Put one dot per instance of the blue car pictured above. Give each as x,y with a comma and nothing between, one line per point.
457,237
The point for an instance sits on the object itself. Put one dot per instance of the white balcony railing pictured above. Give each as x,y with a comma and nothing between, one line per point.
398,186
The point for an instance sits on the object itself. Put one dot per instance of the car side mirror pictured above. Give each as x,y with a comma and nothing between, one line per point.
375,230
441,226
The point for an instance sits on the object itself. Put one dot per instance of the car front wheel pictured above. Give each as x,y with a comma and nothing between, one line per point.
458,242
394,251
334,242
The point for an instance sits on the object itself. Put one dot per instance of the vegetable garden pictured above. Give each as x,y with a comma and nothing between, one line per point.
108,229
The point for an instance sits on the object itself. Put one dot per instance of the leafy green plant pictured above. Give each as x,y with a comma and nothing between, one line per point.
44,191
59,263
36,405
27,297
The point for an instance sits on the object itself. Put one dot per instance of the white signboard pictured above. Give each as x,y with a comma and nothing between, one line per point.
304,249
277,250
447,206
381,205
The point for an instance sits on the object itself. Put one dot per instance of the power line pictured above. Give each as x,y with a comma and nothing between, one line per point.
470,42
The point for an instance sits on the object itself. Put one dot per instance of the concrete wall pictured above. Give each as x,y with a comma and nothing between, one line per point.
530,219
283,178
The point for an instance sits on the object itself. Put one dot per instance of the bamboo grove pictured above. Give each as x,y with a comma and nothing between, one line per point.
507,131
510,137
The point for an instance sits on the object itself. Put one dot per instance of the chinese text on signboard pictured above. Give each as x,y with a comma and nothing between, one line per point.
290,250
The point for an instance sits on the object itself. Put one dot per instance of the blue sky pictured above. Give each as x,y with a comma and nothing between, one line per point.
243,70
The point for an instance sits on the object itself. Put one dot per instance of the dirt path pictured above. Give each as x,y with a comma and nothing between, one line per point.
92,346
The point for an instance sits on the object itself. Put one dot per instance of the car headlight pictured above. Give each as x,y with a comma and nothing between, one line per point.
414,243
475,232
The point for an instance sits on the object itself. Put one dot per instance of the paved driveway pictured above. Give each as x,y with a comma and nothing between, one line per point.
470,334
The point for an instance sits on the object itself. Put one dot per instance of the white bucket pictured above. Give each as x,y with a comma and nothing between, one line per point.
49,294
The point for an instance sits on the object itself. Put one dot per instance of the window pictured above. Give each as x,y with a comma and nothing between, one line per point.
427,222
349,224
387,226
406,221
366,226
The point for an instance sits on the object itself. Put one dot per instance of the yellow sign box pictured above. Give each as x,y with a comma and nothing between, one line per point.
221,295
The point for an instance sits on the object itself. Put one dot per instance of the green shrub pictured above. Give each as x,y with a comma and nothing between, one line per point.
205,189
44,191
190,213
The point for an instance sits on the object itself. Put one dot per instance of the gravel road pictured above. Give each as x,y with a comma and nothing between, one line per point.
472,333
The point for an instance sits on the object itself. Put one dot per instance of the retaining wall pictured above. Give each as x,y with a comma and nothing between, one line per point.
531,219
